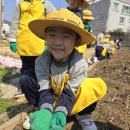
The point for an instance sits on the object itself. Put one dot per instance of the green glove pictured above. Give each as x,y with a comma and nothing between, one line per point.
40,120
57,128
13,46
58,121
45,48
88,27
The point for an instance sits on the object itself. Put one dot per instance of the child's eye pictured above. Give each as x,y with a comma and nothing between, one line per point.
66,37
51,35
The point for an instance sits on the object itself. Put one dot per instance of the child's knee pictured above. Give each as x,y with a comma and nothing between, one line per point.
24,79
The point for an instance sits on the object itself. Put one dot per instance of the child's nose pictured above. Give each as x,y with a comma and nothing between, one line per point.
58,41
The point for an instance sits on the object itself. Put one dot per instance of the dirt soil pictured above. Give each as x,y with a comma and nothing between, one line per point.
113,111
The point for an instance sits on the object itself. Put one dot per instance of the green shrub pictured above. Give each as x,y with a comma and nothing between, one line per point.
3,73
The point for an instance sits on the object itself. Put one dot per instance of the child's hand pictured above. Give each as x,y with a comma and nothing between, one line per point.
13,46
57,128
40,119
58,121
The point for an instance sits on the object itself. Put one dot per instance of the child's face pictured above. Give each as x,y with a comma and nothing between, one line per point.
74,3
85,21
60,42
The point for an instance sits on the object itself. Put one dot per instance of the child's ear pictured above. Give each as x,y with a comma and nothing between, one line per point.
78,42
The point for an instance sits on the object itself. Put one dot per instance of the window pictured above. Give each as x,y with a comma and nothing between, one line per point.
122,19
97,18
126,10
115,6
103,18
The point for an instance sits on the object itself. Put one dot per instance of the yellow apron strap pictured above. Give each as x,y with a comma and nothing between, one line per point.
58,88
104,52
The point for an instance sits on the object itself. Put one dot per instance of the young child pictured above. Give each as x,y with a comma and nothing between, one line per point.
63,88
87,17
22,40
103,50
76,6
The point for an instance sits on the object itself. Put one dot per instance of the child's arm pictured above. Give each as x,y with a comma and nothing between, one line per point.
15,22
42,73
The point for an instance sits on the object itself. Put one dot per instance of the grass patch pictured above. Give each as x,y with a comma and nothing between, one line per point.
3,73
5,104
1,122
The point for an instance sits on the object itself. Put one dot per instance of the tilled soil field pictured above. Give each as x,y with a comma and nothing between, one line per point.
113,111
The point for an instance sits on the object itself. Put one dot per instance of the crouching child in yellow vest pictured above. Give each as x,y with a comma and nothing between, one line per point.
61,72
104,48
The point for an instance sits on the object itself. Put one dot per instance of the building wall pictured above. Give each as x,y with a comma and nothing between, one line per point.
100,10
115,17
107,18
5,28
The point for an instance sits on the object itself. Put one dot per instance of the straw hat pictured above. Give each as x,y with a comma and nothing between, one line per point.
104,40
107,36
87,14
85,4
64,18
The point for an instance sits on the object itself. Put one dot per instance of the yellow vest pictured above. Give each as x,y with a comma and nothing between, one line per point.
112,43
81,49
104,51
27,43
90,91
113,50
104,40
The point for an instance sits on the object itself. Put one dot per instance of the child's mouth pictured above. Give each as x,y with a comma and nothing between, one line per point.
58,49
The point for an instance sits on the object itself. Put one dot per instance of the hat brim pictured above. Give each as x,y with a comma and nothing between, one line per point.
107,36
89,18
38,28
85,4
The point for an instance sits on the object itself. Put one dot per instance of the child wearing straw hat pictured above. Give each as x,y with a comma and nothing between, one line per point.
63,88
86,19
76,6
87,16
